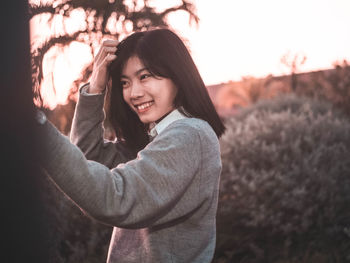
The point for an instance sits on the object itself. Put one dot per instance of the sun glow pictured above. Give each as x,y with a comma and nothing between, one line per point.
61,67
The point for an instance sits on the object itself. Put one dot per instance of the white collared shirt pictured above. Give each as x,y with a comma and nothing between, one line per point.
170,118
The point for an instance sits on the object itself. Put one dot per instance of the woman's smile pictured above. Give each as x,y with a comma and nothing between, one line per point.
143,107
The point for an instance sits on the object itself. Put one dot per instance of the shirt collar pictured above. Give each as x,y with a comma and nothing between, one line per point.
170,118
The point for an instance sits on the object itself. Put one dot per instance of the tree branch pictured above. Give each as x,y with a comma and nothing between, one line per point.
40,9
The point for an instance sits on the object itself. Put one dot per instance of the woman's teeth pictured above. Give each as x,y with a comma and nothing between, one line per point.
144,105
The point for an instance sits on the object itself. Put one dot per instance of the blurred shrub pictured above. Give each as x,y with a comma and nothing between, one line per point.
285,185
333,85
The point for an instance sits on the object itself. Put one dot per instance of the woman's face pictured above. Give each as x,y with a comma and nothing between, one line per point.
149,96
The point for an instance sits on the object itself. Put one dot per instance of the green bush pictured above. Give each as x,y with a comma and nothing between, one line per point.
285,184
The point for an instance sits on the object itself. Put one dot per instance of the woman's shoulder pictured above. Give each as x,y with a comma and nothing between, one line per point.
195,123
193,126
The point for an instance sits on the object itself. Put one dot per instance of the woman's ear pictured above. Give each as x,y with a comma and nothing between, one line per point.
178,101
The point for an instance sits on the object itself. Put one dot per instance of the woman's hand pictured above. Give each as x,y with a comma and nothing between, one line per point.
104,57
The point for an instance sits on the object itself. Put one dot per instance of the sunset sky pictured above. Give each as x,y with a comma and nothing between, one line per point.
236,38
248,37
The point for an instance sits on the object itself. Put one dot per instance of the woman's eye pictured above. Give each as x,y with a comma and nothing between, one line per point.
124,83
145,76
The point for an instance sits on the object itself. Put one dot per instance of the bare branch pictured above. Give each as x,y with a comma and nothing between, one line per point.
40,9
186,6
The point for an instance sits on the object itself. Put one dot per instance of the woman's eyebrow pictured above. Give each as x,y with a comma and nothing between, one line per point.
136,73
139,71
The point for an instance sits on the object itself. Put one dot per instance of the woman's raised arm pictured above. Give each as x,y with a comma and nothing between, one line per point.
87,126
87,132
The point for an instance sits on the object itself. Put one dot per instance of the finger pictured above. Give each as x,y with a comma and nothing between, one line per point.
110,43
109,59
106,61
103,52
107,50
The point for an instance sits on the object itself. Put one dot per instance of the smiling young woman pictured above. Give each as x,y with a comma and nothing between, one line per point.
160,195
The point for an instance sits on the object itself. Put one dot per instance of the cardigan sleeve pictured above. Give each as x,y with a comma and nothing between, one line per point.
87,132
160,185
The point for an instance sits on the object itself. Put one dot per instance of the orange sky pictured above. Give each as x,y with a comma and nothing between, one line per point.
235,38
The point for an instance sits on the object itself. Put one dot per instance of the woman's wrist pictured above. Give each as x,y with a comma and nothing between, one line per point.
93,90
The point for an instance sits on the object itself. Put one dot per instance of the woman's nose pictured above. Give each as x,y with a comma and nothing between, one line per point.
136,90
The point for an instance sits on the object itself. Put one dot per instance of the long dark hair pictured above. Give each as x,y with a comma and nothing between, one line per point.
164,54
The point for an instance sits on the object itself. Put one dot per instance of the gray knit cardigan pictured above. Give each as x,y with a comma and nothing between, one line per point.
162,204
